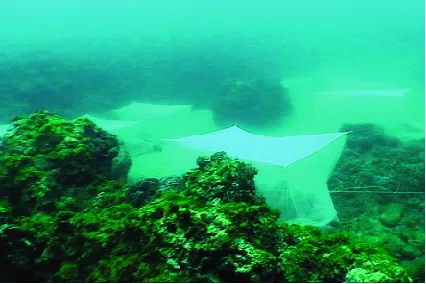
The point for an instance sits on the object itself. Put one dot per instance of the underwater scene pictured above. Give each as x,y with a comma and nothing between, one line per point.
212,141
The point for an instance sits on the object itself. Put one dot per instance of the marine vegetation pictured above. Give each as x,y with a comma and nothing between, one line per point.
65,219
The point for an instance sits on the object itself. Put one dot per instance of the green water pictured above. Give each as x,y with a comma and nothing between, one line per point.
97,57
182,48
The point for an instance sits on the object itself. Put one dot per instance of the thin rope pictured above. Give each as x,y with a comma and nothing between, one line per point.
383,190
372,191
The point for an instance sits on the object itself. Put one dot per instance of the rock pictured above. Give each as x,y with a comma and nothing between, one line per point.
143,191
121,164
257,103
392,214
359,275
18,254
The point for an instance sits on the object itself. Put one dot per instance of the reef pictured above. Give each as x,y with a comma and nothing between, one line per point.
45,160
374,161
254,103
67,85
378,187
64,218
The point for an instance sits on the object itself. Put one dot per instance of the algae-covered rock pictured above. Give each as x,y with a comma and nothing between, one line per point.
365,136
121,164
143,191
256,103
203,233
221,177
360,275
66,85
45,157
18,253
416,269
373,161
312,257
392,214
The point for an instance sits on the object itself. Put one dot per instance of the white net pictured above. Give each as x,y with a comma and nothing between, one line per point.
292,171
293,168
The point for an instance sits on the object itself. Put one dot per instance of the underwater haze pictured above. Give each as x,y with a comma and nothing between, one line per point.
181,50
212,141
